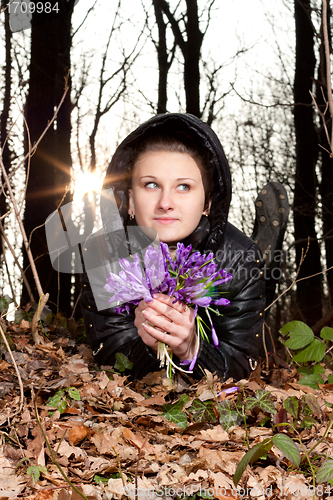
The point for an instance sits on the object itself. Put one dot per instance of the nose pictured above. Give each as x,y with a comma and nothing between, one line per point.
165,201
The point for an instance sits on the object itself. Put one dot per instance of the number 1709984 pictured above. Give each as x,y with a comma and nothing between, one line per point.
29,7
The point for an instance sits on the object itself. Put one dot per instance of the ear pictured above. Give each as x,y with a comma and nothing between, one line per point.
130,202
207,208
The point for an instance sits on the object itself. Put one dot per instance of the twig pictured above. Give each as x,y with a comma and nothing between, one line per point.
328,65
7,269
31,151
17,372
137,469
11,249
295,280
121,474
24,235
264,344
273,345
274,350
75,305
322,115
34,324
52,454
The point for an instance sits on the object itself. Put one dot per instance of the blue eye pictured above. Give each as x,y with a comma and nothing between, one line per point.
151,185
184,187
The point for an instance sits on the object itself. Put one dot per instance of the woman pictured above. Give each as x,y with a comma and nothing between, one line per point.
171,175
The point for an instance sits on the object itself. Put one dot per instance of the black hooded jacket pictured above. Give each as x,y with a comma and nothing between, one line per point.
240,326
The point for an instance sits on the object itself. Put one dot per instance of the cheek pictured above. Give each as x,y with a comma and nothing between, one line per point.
143,205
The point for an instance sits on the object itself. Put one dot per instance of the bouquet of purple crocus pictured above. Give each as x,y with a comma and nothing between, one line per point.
190,278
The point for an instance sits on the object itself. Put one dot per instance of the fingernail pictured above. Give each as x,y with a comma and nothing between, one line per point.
146,313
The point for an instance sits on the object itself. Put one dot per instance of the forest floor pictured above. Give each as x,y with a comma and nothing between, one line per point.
145,440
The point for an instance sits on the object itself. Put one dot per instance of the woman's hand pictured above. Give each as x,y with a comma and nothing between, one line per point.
173,324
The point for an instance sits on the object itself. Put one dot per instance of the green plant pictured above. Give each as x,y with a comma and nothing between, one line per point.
60,399
32,470
23,314
281,441
5,301
307,351
122,363
174,412
294,415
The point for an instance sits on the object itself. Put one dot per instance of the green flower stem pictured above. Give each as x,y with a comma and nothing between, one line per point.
330,423
306,453
163,355
243,415
52,454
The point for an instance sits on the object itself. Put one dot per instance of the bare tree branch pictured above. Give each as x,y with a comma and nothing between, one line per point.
328,66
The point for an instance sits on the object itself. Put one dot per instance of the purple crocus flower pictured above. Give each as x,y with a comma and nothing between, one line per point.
194,360
182,253
168,258
154,265
229,391
214,335
221,302
190,278
130,284
190,362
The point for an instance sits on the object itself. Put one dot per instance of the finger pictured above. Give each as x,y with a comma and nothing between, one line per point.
175,313
172,302
158,335
142,305
164,308
148,339
160,321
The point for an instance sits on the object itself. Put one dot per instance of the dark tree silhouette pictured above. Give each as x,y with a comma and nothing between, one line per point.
4,118
164,58
49,171
326,183
309,291
190,45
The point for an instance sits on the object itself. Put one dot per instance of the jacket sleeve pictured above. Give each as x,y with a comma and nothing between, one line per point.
109,333
239,329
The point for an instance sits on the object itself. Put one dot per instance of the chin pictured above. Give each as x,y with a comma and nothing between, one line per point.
171,240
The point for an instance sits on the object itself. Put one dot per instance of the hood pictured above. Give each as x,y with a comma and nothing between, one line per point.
210,231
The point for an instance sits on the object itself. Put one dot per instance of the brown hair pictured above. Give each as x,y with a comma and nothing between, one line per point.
157,143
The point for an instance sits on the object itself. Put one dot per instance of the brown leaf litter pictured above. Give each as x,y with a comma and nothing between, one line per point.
117,431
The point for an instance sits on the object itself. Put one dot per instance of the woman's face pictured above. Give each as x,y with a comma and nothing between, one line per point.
167,194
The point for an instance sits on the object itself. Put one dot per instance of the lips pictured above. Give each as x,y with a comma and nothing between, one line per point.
165,220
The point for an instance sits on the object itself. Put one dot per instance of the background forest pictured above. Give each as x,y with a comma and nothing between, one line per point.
113,66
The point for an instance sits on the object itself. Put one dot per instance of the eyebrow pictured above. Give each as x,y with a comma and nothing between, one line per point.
179,178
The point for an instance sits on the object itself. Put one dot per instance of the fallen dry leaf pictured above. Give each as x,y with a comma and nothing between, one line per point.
77,433
217,434
138,441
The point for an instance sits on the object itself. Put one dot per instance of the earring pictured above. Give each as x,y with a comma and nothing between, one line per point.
131,215
206,212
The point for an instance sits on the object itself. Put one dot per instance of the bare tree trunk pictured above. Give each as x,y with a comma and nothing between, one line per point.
162,57
51,164
326,184
191,50
5,110
309,291
192,59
